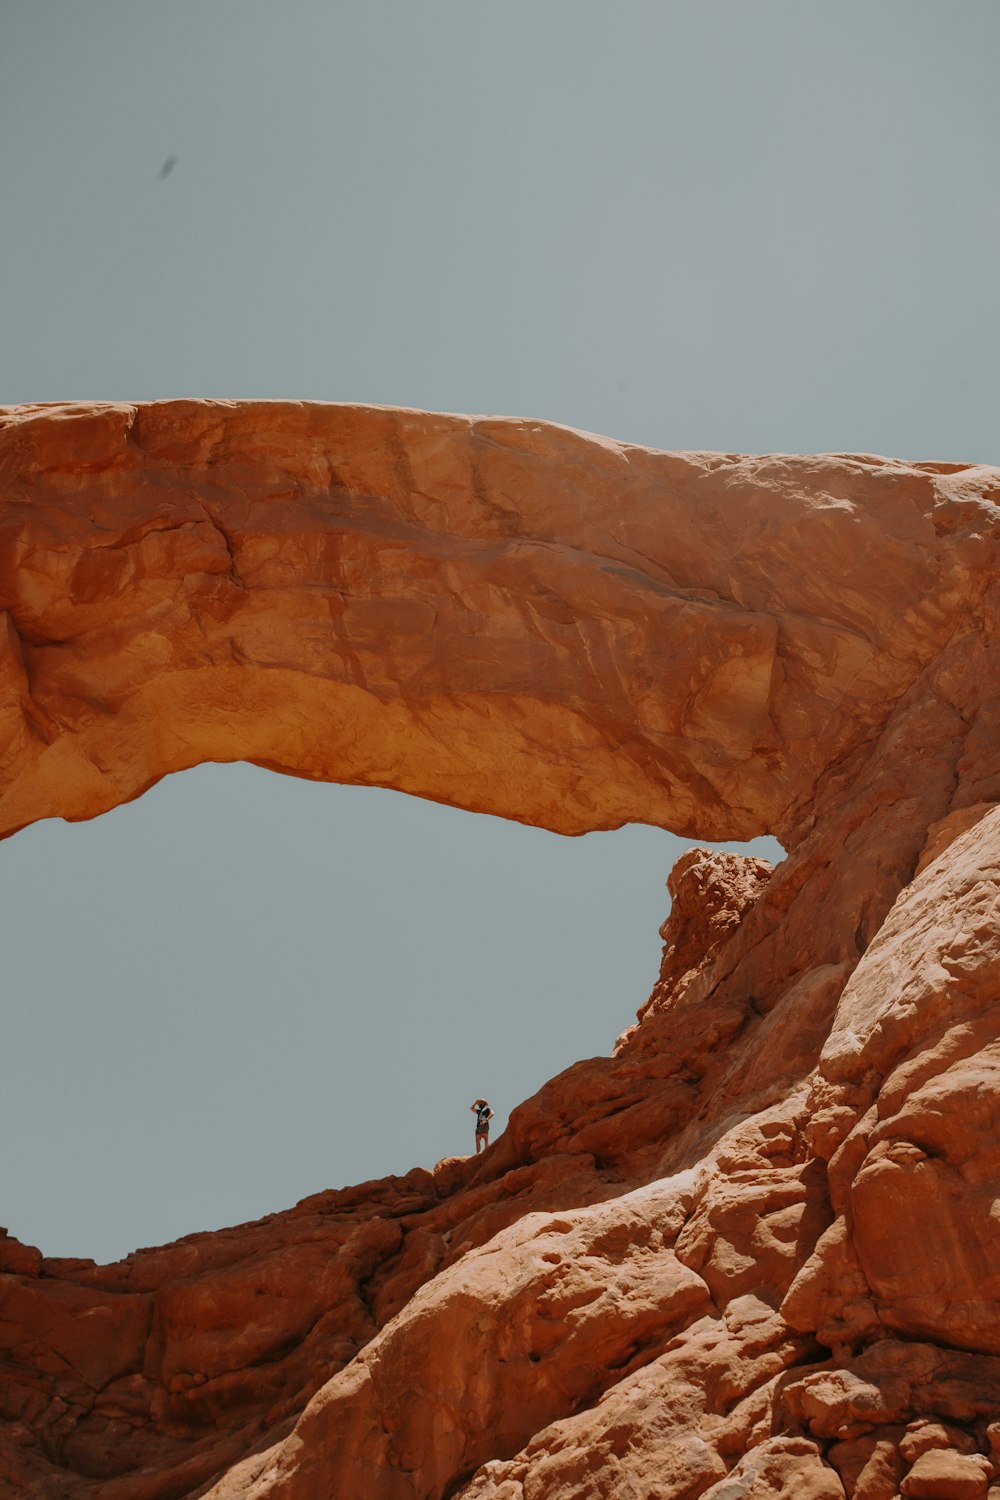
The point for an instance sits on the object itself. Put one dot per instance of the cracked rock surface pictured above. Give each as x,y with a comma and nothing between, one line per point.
753,1252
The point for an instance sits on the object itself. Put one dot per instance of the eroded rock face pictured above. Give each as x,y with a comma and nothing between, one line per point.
503,614
751,1254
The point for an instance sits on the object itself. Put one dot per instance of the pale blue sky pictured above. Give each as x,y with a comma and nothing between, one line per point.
700,224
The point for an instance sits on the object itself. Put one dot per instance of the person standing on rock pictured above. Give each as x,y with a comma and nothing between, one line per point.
483,1115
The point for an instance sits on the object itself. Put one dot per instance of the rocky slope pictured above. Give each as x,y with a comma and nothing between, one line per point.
753,1252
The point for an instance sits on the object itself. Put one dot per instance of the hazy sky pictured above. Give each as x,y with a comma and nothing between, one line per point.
708,224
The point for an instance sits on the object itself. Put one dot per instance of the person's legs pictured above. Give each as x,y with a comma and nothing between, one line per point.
483,1136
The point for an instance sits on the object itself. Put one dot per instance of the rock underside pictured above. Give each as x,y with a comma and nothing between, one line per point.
753,1252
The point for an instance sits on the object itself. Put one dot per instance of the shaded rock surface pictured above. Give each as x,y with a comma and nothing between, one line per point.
752,1253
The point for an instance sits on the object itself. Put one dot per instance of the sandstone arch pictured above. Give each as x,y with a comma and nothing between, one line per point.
752,1250
503,614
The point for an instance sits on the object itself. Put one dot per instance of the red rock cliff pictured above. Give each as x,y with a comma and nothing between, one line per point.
752,1253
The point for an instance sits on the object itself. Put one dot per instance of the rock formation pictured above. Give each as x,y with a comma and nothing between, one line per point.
752,1253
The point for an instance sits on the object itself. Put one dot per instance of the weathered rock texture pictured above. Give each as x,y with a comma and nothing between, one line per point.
752,1254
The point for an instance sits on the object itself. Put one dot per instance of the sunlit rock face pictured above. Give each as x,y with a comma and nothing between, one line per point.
510,616
753,1252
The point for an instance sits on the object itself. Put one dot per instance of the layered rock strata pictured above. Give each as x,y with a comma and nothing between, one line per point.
750,1254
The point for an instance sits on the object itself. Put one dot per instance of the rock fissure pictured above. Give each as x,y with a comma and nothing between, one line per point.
229,544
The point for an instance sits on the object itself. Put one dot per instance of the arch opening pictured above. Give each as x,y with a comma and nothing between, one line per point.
248,988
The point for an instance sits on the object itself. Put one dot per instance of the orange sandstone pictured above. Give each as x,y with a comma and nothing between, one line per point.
751,1253
507,615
